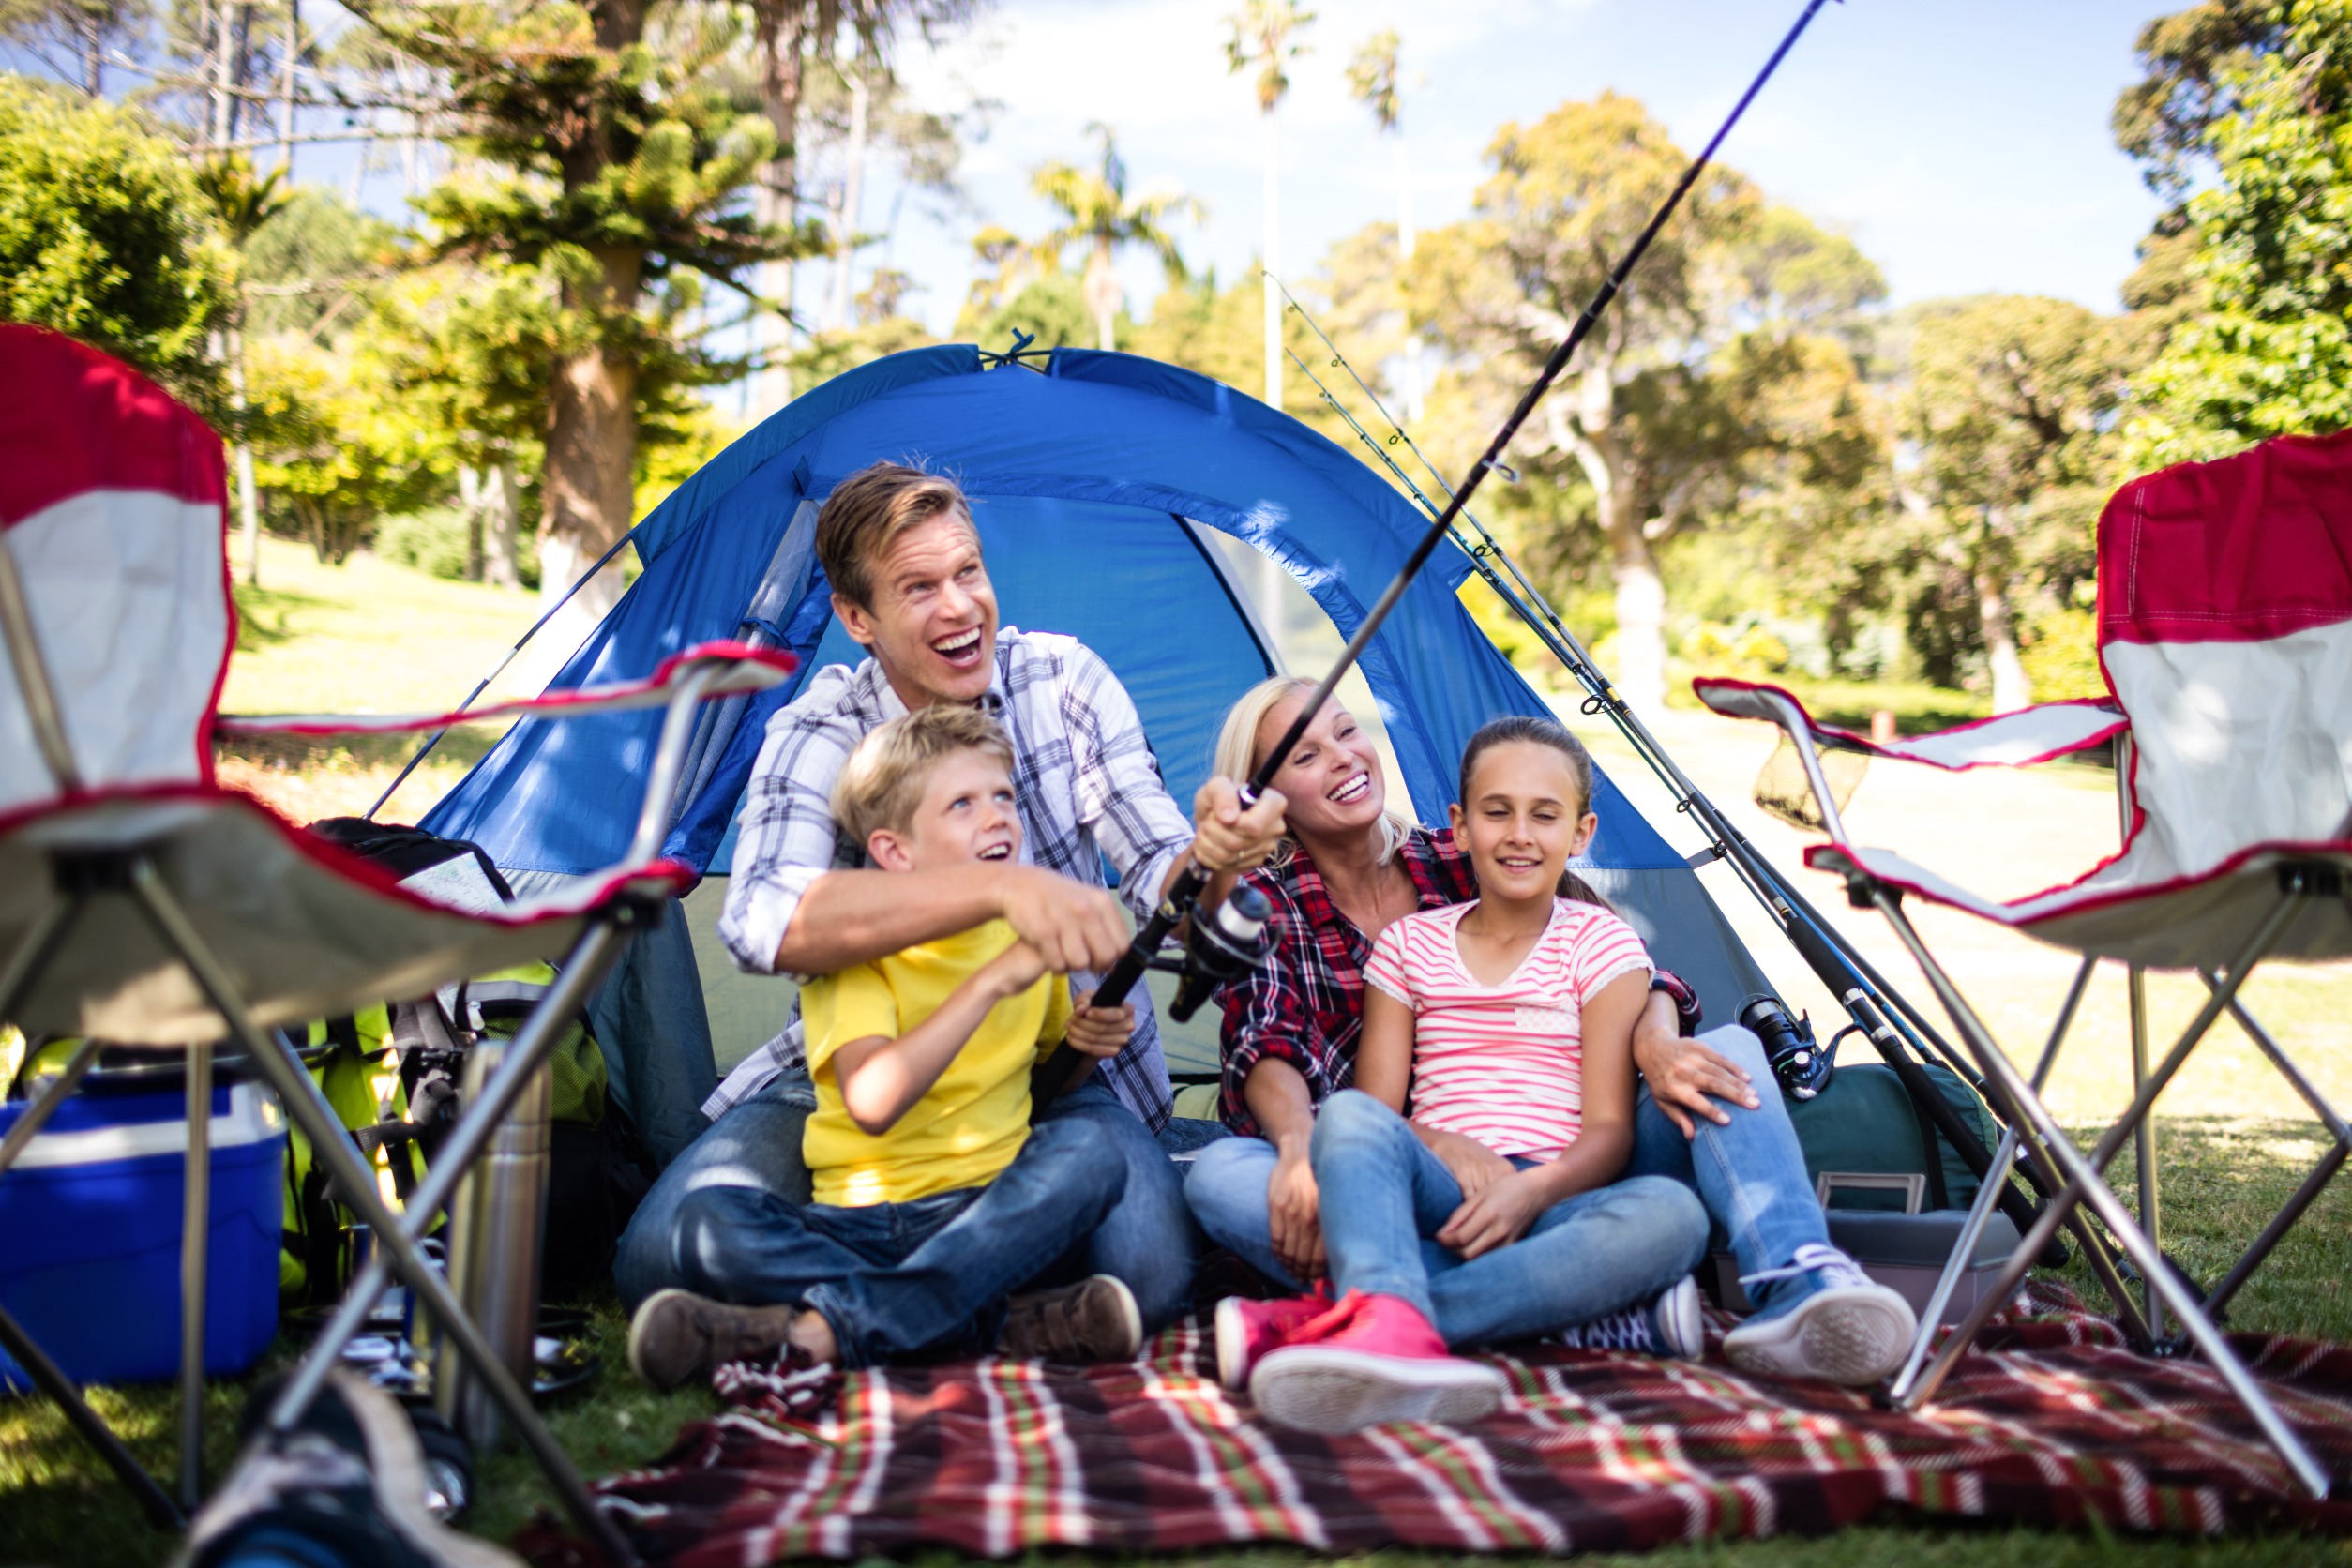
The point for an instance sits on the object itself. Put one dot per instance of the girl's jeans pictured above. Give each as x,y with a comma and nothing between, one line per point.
1750,1175
1384,1197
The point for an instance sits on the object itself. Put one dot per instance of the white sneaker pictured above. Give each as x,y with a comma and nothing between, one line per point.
1852,1331
1668,1324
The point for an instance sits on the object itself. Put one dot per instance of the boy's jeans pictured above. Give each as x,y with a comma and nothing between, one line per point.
1146,1239
1384,1196
1751,1176
894,1280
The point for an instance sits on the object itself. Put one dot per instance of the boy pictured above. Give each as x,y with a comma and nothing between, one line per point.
935,1198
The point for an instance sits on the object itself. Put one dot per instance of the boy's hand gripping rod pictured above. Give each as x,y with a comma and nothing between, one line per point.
1063,1068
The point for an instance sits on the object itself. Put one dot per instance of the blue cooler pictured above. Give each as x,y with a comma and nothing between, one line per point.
90,1234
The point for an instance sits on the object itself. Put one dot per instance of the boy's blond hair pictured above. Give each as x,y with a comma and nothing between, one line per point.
884,780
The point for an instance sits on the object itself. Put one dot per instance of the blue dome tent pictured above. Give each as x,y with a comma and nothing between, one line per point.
1099,488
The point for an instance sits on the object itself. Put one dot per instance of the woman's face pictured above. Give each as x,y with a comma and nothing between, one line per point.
1332,779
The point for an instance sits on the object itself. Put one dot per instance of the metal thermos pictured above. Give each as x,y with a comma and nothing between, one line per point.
496,1221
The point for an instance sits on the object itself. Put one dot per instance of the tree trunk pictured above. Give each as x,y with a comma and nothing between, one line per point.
1409,404
1640,672
853,194
473,500
1273,257
502,512
1997,623
782,31
591,459
1101,292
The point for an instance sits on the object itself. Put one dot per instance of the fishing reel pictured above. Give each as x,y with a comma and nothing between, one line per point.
1800,1066
1220,947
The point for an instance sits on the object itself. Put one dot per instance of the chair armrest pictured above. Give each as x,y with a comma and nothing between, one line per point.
734,668
2016,740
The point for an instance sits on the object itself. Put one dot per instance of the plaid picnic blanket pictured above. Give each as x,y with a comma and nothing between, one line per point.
2054,1422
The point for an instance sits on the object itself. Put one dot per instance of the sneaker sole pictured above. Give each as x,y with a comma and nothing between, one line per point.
1320,1388
398,1465
1853,1334
1232,1345
646,1311
1679,1322
1131,1319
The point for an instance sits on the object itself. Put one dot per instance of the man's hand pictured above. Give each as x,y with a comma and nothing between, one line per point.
1293,1211
1099,1031
1497,1216
1683,1075
1474,1167
1072,925
1228,838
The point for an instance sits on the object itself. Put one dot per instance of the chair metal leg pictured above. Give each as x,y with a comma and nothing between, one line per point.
36,1115
34,950
593,955
195,1240
2313,1184
2084,1185
307,1104
2144,1140
1987,1193
154,1501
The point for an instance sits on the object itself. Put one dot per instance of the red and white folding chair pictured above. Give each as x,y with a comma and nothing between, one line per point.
2226,633
142,904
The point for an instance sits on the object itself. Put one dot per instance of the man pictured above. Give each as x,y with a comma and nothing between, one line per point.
903,559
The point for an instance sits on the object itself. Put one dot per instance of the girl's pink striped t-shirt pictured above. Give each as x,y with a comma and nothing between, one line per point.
1503,1063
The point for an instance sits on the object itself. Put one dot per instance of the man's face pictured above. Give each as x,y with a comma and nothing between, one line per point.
932,623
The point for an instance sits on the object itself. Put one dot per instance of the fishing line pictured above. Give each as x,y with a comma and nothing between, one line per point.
1065,1065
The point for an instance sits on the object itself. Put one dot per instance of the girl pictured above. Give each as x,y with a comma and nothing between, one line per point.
1497,1208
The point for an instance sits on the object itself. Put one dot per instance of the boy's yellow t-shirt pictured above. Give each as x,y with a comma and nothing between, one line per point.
974,1119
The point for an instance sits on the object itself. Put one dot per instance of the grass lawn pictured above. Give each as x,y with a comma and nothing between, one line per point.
2223,1179
371,636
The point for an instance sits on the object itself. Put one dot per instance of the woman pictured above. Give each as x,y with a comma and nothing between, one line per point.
1709,1113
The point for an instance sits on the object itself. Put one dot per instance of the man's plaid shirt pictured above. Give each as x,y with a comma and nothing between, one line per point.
1303,1003
1084,781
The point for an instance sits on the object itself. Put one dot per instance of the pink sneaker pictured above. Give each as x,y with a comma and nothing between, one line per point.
1369,1360
1246,1330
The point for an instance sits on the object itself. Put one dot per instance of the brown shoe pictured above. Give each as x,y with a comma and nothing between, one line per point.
1094,1319
677,1336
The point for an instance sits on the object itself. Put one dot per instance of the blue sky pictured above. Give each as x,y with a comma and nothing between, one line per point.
1964,146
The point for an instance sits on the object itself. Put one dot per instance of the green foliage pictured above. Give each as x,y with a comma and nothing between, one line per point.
334,445
431,541
105,235
1051,308
312,267
830,354
2272,352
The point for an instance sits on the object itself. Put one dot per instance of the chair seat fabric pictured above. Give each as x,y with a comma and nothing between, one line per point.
306,931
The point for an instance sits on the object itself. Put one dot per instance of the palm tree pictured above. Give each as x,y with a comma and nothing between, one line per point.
1259,36
1372,78
1104,217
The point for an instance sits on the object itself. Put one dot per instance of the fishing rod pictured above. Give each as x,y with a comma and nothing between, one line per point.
1233,931
1880,1013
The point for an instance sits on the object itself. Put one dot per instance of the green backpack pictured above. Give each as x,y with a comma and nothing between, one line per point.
1864,1124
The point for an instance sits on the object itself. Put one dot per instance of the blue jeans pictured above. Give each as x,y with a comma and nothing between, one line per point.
1750,1175
924,1278
1146,1239
1384,1197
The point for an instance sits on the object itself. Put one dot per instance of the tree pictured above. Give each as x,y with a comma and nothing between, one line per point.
73,37
1103,216
1566,199
599,152
105,235
1259,36
2263,94
242,201
1372,78
2010,397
